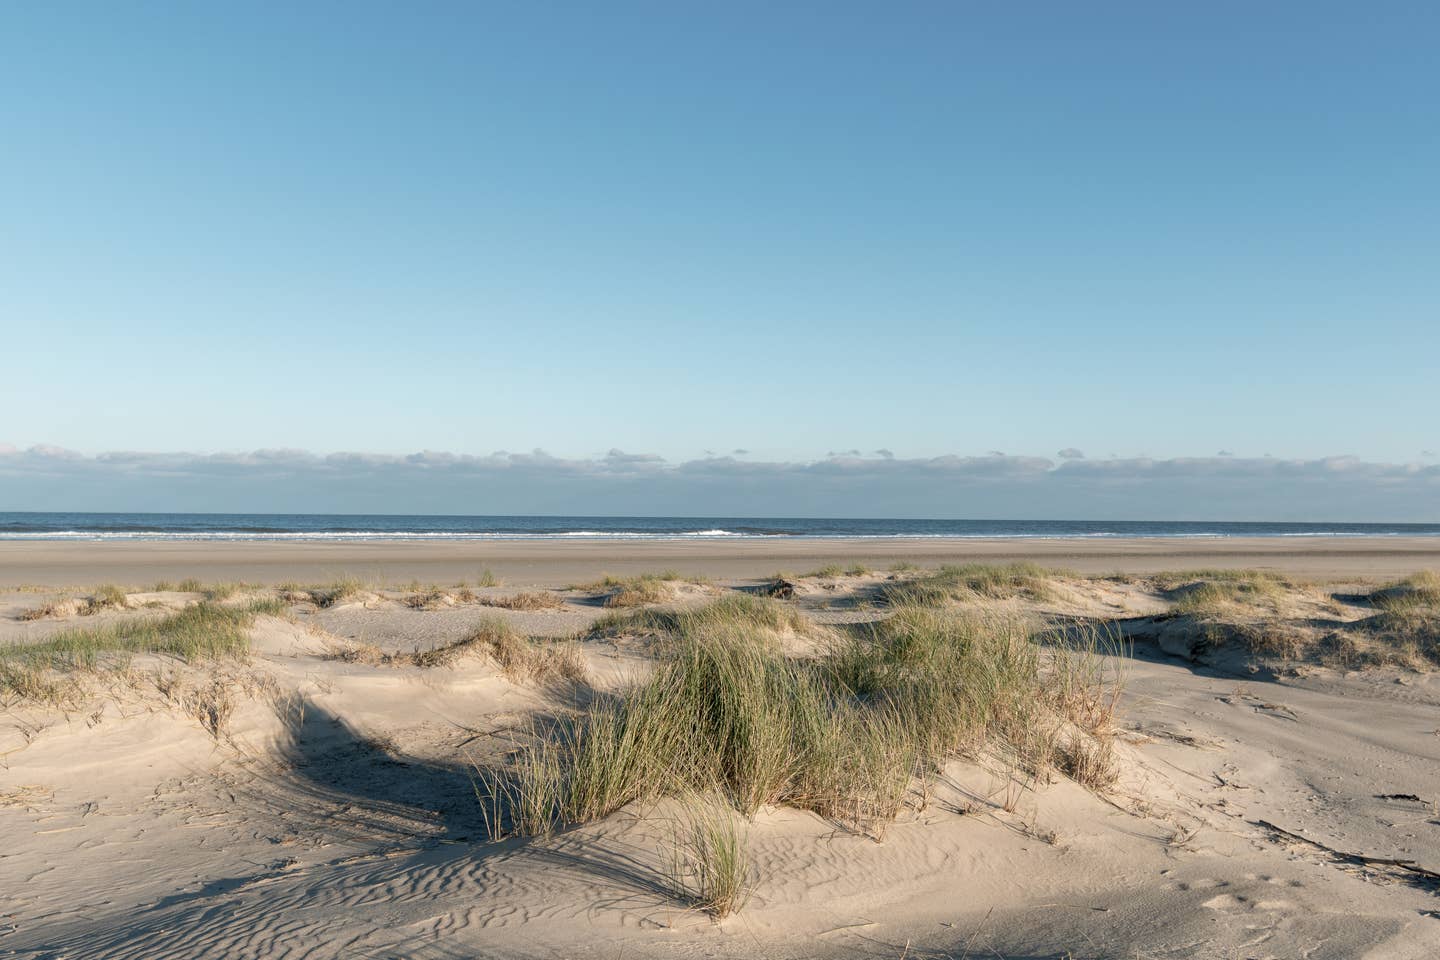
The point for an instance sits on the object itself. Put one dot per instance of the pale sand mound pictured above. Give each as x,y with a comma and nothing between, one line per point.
334,816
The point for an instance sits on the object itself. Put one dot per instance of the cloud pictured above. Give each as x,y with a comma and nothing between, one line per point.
740,451
1224,453
846,483
1071,453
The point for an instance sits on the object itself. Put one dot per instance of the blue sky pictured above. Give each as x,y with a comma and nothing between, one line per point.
1134,229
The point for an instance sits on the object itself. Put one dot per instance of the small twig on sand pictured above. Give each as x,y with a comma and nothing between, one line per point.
978,927
848,926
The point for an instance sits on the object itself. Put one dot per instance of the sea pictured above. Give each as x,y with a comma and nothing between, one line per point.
343,527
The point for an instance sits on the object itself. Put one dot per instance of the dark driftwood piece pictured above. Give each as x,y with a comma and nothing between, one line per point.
1410,866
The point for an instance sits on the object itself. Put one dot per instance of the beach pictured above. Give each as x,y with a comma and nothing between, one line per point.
555,563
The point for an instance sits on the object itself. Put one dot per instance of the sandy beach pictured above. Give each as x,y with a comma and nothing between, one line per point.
1248,766
551,564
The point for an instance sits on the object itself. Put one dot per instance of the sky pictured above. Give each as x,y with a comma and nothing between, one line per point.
1148,233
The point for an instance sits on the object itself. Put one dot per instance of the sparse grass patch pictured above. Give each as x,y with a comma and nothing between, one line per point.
857,570
1089,761
335,593
212,705
521,658
487,579
190,585
735,611
1418,590
106,597
204,631
638,591
829,571
23,681
51,608
431,599
535,600
1174,579
224,590
974,581
1212,598
610,581
162,586
1407,636
708,865
1271,640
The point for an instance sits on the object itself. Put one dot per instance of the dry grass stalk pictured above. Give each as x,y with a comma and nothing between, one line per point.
212,705
1090,761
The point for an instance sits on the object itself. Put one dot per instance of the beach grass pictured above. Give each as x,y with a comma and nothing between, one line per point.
843,734
708,864
976,581
527,601
427,598
1419,590
521,659
201,631
1210,598
225,590
44,670
1170,579
639,591
336,592
740,611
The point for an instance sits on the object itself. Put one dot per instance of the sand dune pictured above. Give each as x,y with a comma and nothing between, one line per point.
332,813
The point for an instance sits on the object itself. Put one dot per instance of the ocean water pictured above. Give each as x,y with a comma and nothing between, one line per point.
336,527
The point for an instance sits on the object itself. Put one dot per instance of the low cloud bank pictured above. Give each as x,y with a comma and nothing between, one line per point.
843,484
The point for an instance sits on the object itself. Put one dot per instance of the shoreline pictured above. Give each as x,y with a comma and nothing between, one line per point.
557,562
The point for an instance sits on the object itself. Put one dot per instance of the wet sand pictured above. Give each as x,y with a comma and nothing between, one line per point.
551,563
